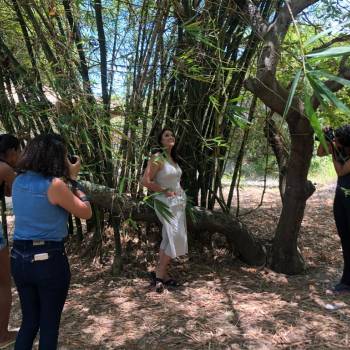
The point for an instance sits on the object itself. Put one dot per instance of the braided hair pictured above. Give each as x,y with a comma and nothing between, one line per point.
45,154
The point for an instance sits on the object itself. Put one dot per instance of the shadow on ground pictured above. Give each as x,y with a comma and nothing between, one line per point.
222,304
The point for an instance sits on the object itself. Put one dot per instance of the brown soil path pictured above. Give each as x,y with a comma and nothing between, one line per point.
223,303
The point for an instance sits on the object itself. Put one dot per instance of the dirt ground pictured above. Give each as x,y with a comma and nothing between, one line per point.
222,304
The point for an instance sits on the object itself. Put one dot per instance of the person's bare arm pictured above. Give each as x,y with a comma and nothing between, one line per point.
60,194
340,168
321,152
153,166
8,175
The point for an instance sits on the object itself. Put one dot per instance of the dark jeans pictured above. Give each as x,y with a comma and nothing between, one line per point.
42,288
341,209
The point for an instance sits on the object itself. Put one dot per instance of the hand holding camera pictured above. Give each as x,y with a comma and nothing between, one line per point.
338,143
329,134
73,166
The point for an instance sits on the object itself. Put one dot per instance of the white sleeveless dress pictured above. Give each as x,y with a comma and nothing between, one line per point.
174,231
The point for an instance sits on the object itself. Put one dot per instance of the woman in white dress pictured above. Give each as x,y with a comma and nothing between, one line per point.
162,176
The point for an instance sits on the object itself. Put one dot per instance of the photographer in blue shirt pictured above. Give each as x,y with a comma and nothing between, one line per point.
42,201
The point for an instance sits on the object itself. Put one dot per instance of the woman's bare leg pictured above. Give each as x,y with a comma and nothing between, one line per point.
164,261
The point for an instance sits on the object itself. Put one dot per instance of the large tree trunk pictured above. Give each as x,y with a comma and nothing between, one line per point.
286,257
237,235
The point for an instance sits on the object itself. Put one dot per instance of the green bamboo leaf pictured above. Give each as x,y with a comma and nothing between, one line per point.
333,30
158,205
131,222
215,102
327,94
321,74
239,121
215,142
197,32
318,36
230,69
292,92
333,98
238,110
330,52
314,121
236,115
163,210
237,99
316,89
203,78
121,185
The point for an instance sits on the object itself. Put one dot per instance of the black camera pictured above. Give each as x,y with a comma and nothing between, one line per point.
72,158
329,135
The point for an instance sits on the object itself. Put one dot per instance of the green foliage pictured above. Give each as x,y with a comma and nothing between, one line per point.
257,167
292,92
315,68
188,73
331,52
156,204
322,170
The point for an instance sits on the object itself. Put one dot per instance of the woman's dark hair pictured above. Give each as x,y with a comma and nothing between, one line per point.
160,147
7,142
343,135
45,154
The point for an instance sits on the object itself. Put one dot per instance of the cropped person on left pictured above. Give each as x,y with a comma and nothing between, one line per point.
9,151
42,201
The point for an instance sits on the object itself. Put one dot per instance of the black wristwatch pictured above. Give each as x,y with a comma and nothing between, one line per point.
84,198
76,185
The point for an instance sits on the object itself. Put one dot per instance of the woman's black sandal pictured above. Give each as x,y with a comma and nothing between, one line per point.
159,285
171,283
152,276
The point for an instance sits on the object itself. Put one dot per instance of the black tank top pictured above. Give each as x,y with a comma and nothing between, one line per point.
342,157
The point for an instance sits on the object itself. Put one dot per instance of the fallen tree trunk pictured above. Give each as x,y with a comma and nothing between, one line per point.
237,235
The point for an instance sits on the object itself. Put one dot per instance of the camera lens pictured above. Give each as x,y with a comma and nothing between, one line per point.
73,159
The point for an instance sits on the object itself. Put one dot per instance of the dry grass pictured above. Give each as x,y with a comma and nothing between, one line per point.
223,304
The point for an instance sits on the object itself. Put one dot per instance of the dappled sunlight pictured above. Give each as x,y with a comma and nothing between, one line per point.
221,304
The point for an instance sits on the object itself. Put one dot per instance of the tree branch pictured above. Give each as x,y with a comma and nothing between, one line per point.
290,10
275,35
254,17
338,39
298,6
237,235
273,95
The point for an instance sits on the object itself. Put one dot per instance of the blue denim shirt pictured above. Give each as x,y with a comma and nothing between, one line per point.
35,217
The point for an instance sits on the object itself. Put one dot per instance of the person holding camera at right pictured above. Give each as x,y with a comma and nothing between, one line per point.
338,142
